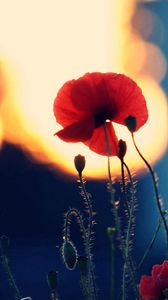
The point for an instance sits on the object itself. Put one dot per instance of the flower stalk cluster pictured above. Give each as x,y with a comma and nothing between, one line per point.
86,108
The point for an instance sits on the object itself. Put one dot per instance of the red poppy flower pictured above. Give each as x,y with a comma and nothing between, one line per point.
156,285
83,105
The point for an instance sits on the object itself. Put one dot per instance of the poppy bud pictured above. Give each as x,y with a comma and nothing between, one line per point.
69,254
82,263
131,123
52,279
79,162
4,244
122,149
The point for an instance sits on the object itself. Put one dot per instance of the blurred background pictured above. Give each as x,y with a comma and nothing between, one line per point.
42,45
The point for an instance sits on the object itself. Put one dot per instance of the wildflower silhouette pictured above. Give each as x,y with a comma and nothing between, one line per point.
156,285
82,107
86,108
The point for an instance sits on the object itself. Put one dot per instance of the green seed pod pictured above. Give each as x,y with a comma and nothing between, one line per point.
4,244
79,162
52,279
69,254
131,123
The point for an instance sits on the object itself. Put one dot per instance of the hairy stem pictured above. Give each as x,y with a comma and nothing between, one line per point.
156,191
7,269
148,249
91,277
73,212
127,254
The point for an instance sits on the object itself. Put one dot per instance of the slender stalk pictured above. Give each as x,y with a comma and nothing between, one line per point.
126,241
111,235
112,268
115,212
91,277
117,220
73,212
148,249
128,260
10,276
89,206
155,189
54,295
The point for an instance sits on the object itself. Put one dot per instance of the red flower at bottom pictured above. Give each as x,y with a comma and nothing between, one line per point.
82,107
156,285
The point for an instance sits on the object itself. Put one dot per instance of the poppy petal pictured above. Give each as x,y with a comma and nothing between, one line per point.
77,132
89,93
98,97
64,110
160,275
97,142
128,99
147,288
117,95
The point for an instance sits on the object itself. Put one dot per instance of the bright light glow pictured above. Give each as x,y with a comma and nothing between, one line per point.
50,42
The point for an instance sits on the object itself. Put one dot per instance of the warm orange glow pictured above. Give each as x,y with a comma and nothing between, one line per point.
48,43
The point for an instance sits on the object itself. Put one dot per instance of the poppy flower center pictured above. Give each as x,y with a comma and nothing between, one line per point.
101,117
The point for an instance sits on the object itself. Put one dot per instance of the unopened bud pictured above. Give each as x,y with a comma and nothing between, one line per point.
131,123
52,279
122,149
79,162
69,254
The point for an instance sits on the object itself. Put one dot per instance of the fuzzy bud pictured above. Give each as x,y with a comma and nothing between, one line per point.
52,279
79,162
131,123
69,254
122,149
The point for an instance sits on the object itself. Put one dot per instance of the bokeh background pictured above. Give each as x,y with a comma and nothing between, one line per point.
43,44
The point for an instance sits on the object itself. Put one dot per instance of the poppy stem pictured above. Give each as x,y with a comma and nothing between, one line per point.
91,277
115,212
54,295
131,208
88,205
126,244
111,231
161,212
114,208
12,282
74,212
112,266
127,264
146,253
148,249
